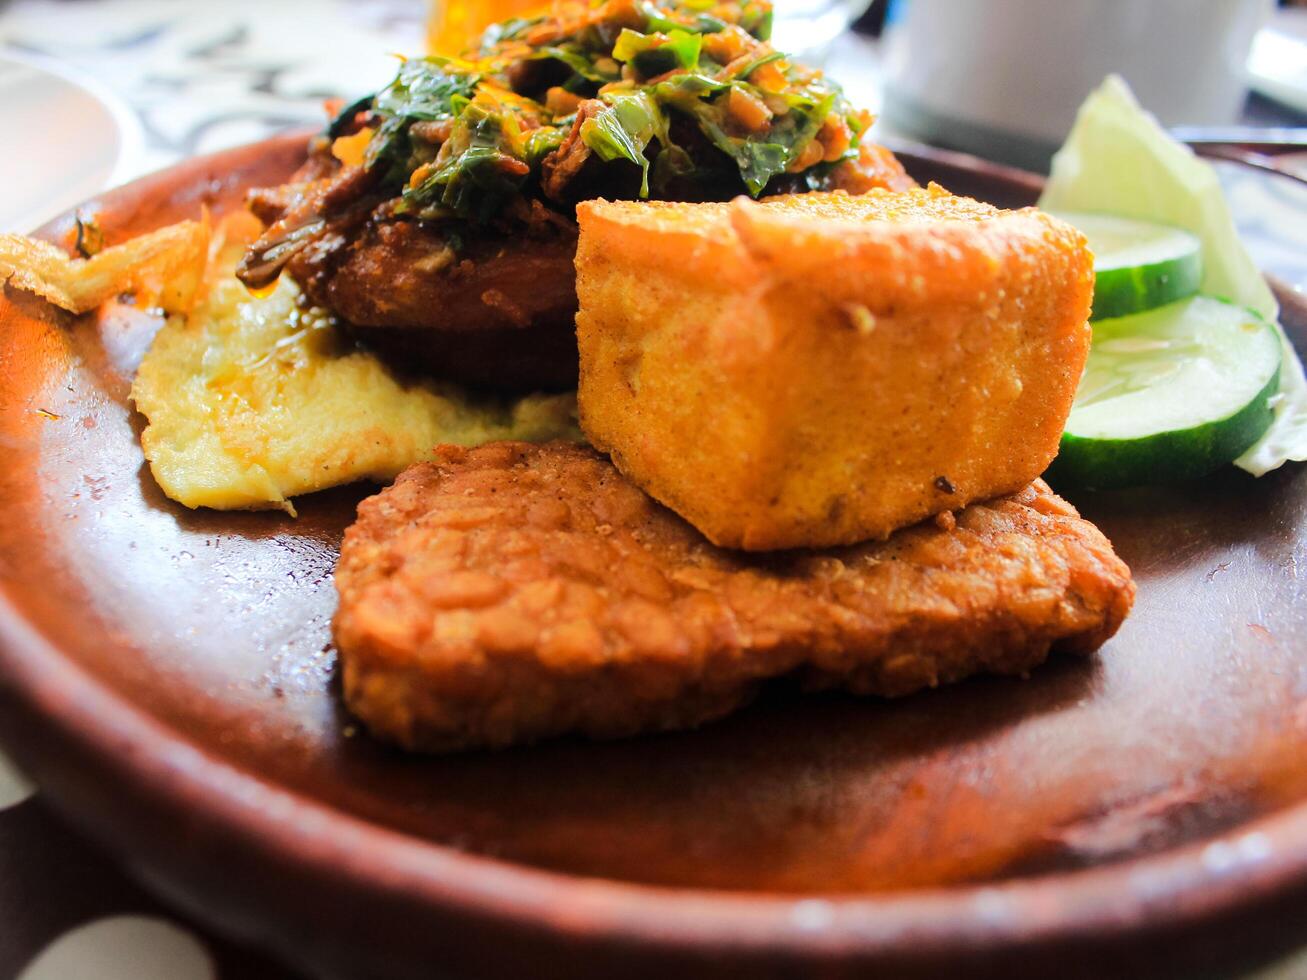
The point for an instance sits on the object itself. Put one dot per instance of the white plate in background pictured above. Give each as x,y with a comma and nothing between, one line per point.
69,138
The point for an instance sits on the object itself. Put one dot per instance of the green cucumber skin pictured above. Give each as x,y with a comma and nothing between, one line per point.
1134,289
1167,457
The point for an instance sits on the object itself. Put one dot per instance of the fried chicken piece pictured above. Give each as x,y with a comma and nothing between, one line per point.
498,312
489,306
511,592
482,308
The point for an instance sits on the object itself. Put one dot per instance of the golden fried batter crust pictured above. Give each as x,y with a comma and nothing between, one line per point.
511,592
500,314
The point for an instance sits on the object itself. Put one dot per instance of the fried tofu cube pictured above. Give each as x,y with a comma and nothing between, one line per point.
821,369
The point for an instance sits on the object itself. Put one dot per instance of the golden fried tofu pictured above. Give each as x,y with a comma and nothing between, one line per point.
510,592
821,369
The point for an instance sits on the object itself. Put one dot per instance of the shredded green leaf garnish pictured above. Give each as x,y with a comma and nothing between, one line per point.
623,129
630,82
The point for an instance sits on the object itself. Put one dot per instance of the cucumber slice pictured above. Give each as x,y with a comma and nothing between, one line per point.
1138,265
1119,160
1170,394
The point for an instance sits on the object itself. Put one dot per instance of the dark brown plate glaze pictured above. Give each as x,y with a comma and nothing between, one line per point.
168,677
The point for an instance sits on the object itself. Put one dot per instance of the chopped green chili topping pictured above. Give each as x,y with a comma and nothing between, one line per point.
673,91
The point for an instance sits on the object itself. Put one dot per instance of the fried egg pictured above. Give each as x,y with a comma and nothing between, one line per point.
253,400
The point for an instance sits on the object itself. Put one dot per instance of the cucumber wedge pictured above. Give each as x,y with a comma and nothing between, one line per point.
1170,394
1138,265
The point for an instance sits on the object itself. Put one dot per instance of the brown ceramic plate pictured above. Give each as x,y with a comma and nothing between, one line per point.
168,677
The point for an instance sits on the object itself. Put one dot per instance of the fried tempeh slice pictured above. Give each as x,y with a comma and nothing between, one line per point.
511,592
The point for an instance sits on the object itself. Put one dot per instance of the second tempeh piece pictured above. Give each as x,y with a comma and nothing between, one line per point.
513,592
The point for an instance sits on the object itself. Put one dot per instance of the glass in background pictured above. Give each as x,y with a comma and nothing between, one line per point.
806,28
1003,78
801,27
453,27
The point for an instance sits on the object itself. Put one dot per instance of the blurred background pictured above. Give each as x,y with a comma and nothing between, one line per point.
94,93
106,90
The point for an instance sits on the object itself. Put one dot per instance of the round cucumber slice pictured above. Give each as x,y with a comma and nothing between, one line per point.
1170,394
1138,265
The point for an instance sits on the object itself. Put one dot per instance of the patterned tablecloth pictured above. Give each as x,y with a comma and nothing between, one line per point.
202,77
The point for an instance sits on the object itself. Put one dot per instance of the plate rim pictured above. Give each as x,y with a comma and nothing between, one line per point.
1126,901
